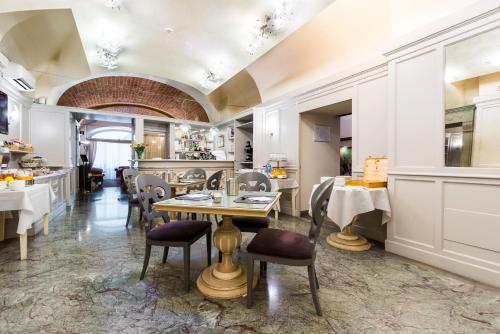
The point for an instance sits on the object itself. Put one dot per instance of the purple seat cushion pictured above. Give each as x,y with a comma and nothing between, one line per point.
251,222
281,243
181,230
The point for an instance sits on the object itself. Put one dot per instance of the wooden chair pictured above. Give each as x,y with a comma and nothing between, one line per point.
290,248
251,181
129,176
195,174
152,189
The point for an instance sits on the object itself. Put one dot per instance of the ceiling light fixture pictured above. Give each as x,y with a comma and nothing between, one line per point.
213,76
108,54
270,26
113,4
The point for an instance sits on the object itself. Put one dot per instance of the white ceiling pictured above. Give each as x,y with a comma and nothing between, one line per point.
473,57
206,33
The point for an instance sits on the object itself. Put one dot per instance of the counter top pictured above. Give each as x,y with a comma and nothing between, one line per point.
51,175
181,160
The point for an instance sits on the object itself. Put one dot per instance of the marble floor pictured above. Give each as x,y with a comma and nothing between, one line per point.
84,278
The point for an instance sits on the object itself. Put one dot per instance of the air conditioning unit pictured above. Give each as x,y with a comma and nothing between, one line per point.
4,61
19,77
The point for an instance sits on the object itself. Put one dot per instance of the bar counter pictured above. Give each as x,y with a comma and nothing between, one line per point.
166,165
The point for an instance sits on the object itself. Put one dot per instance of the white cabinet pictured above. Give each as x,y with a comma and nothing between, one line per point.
50,134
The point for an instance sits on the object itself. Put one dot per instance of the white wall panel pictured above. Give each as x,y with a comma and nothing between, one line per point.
371,123
415,211
50,135
472,214
418,109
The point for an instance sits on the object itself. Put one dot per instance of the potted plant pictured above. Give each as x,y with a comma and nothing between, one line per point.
139,149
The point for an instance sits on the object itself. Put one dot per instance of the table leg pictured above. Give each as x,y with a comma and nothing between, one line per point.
225,280
23,245
276,213
348,240
2,225
46,224
294,197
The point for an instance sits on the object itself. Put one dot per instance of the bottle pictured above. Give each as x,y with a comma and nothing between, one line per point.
268,169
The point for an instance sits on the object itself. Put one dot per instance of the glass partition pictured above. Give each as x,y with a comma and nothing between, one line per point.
472,98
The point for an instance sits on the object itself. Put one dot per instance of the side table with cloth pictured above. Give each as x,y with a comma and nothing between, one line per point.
346,203
278,185
33,203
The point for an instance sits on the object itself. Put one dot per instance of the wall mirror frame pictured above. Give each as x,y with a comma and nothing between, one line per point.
472,101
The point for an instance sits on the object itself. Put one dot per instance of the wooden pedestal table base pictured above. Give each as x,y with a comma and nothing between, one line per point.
348,240
225,280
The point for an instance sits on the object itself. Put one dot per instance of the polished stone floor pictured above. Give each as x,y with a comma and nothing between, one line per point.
84,278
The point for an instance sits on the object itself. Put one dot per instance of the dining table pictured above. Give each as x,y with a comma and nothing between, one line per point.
227,279
32,203
181,187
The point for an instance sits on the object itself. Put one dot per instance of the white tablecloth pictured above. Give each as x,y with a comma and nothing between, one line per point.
348,202
32,203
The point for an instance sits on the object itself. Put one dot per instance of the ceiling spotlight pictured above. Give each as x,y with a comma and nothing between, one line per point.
113,4
168,30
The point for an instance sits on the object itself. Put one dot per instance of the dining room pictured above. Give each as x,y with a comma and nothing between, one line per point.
249,167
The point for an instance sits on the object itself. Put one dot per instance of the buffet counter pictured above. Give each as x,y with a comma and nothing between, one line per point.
165,166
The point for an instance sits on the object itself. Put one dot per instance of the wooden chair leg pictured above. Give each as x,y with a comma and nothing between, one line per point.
209,248
187,260
250,265
220,256
263,269
129,214
147,254
312,284
165,254
316,279
140,215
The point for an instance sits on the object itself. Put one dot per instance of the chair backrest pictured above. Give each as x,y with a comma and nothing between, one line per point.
213,182
129,176
253,181
319,204
152,189
196,174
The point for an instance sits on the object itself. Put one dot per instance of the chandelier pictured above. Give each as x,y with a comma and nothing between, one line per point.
113,4
212,76
270,26
108,54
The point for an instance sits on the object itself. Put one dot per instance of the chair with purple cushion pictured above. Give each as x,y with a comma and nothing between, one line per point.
152,189
291,248
251,181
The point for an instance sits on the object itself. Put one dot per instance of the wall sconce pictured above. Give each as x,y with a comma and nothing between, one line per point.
15,113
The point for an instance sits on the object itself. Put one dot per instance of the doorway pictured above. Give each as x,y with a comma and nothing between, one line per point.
106,147
325,147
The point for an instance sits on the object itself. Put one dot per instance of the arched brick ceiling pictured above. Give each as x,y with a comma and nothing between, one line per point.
135,96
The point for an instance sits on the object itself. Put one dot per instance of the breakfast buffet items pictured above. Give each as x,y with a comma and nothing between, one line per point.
17,145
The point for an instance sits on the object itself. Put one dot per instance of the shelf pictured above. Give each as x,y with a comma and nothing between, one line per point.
248,125
20,152
245,162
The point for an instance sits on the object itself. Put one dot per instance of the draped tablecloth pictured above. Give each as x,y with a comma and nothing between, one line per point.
348,202
32,203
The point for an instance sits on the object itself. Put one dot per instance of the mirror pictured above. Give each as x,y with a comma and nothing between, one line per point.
472,102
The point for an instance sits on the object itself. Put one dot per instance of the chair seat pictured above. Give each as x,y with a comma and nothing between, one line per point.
181,230
251,222
281,243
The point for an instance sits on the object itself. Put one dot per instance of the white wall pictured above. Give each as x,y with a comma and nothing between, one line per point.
19,128
444,216
317,159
